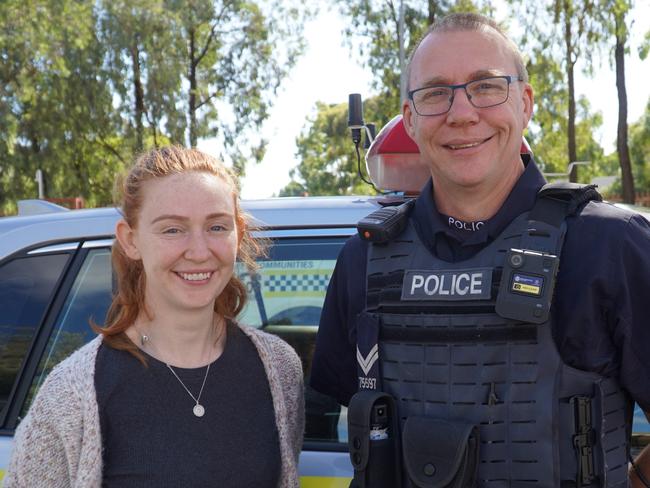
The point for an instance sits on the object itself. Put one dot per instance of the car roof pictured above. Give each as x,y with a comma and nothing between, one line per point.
282,216
285,213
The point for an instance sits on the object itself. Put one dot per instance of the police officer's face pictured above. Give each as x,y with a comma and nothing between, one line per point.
469,147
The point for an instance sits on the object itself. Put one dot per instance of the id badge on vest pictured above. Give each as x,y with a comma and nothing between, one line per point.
368,351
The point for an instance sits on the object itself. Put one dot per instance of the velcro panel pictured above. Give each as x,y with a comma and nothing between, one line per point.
527,470
491,372
523,430
492,473
465,372
524,353
612,404
437,393
463,393
522,393
493,453
567,450
494,432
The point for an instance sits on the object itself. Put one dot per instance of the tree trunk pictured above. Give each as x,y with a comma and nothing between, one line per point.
431,18
138,95
621,136
191,77
570,64
403,82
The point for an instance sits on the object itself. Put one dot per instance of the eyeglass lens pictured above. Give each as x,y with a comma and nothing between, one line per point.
481,93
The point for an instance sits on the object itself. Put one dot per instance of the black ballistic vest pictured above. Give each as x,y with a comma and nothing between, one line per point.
471,343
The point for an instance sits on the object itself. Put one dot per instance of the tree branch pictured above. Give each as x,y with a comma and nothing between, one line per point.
206,46
206,100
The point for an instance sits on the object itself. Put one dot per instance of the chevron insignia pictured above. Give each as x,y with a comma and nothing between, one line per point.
367,362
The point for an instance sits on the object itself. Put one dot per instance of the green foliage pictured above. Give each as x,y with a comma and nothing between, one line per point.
548,130
328,162
55,103
372,34
85,84
644,48
640,150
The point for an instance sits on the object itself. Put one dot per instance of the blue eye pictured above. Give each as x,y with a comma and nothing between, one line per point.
217,228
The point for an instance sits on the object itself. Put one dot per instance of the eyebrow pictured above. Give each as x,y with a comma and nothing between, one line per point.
185,219
483,73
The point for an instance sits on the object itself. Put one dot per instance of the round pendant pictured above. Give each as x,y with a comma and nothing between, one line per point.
198,410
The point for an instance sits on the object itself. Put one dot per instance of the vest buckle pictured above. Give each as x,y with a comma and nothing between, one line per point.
584,440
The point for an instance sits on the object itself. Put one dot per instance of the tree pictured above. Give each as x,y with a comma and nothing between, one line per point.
234,56
56,105
146,81
614,27
85,83
375,33
328,162
621,34
548,132
640,149
566,29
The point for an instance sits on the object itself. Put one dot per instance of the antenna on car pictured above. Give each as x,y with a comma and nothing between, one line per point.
356,125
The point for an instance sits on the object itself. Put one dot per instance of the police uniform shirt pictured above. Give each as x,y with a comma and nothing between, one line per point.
601,295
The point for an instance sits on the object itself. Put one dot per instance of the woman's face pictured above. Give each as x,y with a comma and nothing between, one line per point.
186,238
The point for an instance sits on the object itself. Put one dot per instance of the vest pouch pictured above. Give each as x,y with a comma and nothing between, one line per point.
440,453
374,440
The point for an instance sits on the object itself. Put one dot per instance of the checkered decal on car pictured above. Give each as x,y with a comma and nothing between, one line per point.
296,282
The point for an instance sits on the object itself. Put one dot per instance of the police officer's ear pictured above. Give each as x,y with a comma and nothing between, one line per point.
528,101
125,235
408,115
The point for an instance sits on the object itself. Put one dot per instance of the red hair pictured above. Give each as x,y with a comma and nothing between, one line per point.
128,303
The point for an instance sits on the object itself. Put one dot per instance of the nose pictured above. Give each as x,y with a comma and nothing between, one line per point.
197,247
461,111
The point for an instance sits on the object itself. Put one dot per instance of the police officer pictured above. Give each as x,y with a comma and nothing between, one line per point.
535,366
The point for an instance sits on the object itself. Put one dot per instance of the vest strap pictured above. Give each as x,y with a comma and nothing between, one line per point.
556,201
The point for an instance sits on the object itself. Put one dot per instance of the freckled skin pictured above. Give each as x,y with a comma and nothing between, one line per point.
197,234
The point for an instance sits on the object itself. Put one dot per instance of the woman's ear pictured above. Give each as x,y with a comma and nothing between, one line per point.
126,237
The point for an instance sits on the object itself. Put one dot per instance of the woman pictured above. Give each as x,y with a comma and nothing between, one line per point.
173,392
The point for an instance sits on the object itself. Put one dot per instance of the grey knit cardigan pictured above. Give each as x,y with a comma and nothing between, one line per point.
58,443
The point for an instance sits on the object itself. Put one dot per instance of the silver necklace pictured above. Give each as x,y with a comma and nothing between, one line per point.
198,410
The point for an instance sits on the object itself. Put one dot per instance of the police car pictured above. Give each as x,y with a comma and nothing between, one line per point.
55,276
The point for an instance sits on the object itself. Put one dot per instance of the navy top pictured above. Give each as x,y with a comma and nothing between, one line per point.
601,293
151,438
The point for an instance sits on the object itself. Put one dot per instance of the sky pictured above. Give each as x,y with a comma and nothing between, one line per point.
328,72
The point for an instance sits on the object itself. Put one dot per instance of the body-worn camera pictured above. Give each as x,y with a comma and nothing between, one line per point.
527,284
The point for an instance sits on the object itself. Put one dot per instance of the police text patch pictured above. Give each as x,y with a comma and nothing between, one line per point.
458,284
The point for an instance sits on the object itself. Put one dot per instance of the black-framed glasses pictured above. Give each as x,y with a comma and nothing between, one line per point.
481,93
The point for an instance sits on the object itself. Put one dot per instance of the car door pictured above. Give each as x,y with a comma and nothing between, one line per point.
286,295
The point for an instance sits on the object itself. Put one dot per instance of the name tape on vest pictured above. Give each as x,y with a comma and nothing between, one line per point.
458,284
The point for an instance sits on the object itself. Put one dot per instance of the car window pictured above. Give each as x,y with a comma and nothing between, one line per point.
285,298
27,286
89,299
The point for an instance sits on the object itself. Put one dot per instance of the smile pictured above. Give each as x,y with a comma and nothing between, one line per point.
194,276
466,145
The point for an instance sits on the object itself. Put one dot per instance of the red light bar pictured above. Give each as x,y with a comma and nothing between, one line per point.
393,160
